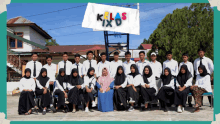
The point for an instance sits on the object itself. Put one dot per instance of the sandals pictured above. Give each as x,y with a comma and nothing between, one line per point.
36,109
28,113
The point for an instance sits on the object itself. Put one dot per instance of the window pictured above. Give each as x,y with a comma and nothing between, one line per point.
15,43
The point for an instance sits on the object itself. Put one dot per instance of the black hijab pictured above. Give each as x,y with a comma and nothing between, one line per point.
41,79
204,73
27,70
88,73
119,78
145,76
74,80
60,78
136,70
166,79
182,78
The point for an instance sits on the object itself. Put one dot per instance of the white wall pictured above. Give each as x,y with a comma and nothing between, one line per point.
29,34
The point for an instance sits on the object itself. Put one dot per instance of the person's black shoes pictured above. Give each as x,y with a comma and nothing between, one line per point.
166,109
190,105
44,112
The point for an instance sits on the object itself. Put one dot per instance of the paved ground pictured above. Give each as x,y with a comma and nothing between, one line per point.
206,114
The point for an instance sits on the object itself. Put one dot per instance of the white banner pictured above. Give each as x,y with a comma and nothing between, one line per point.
111,18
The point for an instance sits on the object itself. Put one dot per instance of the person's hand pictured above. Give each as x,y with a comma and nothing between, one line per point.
135,89
34,79
45,91
128,85
147,86
116,87
107,89
191,88
143,86
65,95
78,86
101,90
51,83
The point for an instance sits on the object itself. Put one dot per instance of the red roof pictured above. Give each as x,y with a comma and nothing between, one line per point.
147,46
72,48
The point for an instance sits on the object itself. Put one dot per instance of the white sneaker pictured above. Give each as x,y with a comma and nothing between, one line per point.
182,109
179,110
93,104
86,109
131,109
131,101
74,110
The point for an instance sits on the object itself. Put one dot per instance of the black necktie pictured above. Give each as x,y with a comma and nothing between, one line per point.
34,74
201,61
90,64
65,66
77,68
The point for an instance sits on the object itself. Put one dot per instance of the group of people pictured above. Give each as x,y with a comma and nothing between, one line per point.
117,84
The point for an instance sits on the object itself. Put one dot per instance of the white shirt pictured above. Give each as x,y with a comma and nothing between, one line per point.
171,84
114,66
172,65
207,62
156,68
204,82
30,65
40,86
189,66
136,81
152,82
187,84
51,71
27,84
86,66
80,67
69,86
58,86
101,65
127,66
87,80
68,66
124,84
141,65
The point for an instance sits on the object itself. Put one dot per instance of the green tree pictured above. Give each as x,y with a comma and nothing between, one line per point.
185,30
51,42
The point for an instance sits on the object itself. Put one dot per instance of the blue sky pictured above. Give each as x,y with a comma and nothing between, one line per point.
151,15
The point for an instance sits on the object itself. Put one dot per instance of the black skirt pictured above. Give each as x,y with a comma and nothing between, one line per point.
88,97
26,102
148,94
61,98
120,96
166,94
134,95
45,98
73,96
181,96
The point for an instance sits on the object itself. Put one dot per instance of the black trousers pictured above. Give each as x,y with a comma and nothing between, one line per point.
120,96
45,98
26,102
180,97
61,98
88,97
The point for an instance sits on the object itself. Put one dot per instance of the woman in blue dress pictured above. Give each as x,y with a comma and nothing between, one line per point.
105,86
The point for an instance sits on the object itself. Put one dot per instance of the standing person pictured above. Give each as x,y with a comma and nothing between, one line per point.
114,64
207,62
156,69
201,86
27,88
105,86
89,85
142,62
134,82
65,64
78,65
120,90
172,65
51,73
42,89
75,85
127,64
148,86
184,81
59,90
89,63
166,91
34,65
102,64
189,65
